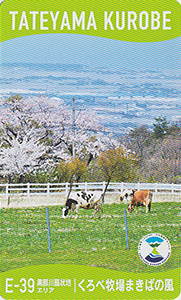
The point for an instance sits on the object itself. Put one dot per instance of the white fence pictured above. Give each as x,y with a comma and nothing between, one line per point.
43,194
28,189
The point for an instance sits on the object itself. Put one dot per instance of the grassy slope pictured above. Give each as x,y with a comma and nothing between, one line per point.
86,241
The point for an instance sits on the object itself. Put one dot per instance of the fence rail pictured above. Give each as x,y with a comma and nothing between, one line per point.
28,189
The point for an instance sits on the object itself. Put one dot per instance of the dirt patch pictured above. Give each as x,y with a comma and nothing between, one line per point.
16,201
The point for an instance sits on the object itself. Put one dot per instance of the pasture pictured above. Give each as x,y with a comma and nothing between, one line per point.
92,242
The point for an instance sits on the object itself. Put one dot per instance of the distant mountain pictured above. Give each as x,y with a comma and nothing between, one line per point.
122,98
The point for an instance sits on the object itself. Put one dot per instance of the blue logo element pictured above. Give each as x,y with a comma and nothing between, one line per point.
154,256
154,249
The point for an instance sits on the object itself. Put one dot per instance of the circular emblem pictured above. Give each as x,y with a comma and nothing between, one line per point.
154,249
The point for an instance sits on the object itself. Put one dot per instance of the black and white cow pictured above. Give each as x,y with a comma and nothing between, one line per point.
127,195
86,200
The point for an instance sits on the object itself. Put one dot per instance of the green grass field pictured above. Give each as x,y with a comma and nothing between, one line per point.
98,242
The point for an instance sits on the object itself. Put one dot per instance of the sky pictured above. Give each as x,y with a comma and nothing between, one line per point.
94,51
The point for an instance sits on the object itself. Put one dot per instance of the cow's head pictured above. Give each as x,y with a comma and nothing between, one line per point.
130,208
127,195
65,211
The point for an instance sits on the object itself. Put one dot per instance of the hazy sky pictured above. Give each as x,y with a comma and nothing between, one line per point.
95,51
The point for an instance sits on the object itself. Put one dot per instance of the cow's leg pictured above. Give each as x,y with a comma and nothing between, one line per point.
72,210
148,206
91,217
99,210
95,211
148,203
76,211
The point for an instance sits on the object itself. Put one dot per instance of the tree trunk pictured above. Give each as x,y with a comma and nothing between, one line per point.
9,181
105,190
70,189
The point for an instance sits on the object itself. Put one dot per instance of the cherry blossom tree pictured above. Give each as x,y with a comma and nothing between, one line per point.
37,122
22,156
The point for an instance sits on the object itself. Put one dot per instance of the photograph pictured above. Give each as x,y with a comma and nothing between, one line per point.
90,150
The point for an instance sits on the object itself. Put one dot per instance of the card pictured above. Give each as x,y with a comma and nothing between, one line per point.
90,149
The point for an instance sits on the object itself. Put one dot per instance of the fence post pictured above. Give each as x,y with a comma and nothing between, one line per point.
103,186
172,188
28,189
172,191
122,186
48,189
156,187
7,193
66,189
7,190
138,186
85,186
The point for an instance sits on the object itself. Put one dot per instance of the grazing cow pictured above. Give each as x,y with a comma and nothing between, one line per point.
141,198
127,195
86,200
